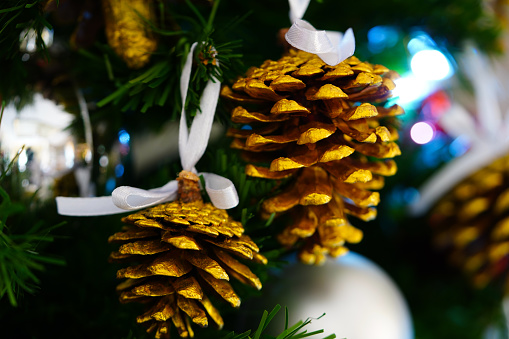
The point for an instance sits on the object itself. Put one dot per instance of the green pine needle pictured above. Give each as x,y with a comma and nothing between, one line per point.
212,15
272,315
19,257
197,13
294,332
261,326
143,89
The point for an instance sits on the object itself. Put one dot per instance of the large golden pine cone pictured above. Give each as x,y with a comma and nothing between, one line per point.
126,31
472,221
326,127
182,249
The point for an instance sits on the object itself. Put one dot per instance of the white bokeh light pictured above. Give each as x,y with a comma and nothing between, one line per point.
69,154
22,160
422,133
104,161
410,89
430,65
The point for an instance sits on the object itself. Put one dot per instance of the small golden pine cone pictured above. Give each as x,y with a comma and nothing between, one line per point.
472,222
180,250
126,31
318,125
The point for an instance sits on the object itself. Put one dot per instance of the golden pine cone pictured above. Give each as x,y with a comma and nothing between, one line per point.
317,124
126,32
472,221
182,249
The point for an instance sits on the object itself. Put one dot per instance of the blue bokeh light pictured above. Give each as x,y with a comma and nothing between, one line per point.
382,37
459,146
410,195
123,137
110,185
119,170
420,41
402,195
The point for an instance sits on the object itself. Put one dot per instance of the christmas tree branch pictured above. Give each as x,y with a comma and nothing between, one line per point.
18,255
153,86
294,332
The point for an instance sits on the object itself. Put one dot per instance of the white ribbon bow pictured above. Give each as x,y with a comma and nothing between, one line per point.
331,46
192,145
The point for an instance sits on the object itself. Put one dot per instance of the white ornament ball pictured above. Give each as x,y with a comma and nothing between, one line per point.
360,300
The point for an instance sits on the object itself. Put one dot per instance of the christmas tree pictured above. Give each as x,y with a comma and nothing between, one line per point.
227,159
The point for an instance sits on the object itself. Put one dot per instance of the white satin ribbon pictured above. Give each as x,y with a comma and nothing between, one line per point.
331,46
221,191
297,9
192,145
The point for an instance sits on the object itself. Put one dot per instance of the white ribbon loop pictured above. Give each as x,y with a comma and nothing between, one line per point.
132,198
297,9
221,191
332,47
192,144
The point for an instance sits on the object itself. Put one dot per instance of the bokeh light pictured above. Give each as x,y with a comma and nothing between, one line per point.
124,137
28,40
430,65
119,170
410,89
22,161
110,185
420,41
382,37
422,133
104,161
459,146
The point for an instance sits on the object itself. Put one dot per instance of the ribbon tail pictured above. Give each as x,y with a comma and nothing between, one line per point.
123,199
221,191
87,206
184,86
201,127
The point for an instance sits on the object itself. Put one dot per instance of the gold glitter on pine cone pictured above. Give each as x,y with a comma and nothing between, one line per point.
472,221
322,126
181,250
126,31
